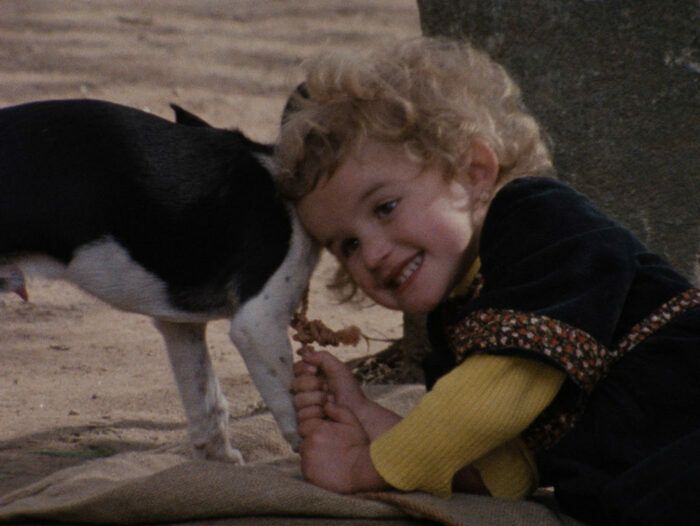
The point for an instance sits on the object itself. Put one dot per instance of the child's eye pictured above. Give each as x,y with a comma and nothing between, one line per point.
386,208
348,246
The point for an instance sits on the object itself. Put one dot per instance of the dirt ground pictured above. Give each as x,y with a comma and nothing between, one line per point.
78,379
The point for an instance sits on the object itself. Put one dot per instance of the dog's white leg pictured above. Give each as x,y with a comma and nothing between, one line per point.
259,330
264,345
205,406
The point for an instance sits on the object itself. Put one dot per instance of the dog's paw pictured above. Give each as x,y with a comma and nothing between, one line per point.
231,455
217,450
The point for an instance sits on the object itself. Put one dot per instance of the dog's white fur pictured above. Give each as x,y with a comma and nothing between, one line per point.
258,330
206,220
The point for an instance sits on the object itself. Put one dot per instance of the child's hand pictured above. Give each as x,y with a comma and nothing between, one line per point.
340,384
310,393
336,384
335,453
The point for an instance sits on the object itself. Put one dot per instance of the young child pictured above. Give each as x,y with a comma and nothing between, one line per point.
564,354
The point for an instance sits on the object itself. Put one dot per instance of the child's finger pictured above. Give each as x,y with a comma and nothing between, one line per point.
302,400
329,364
312,411
316,357
341,414
306,382
307,427
301,367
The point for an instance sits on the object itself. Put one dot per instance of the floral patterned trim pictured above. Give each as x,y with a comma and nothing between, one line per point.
581,356
657,319
585,360
550,427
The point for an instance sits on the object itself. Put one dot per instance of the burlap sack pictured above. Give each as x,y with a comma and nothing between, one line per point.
165,488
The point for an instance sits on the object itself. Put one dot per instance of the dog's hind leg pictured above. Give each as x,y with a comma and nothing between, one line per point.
205,406
259,330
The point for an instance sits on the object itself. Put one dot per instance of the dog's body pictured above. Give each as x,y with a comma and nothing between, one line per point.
178,221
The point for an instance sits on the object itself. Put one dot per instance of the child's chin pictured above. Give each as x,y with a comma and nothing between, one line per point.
423,303
420,308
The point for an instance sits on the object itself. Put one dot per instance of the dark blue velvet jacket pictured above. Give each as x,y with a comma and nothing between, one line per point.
562,283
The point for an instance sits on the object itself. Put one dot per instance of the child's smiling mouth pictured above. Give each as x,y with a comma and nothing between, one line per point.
405,273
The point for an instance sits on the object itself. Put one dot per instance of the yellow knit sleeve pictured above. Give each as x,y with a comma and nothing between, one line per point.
480,405
509,471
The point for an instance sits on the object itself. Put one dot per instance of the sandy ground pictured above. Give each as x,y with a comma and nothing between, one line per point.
77,378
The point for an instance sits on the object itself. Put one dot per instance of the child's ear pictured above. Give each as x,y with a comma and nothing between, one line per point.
483,166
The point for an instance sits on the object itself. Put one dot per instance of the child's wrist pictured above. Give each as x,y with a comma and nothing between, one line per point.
365,413
365,476
375,419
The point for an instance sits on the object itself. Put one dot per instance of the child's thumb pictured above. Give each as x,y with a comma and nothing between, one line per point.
340,414
329,364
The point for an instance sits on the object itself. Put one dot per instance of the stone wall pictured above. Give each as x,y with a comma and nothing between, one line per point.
617,86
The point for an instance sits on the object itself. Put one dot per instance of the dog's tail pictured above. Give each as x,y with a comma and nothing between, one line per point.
12,280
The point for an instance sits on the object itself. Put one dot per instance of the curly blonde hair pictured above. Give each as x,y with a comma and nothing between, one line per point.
434,96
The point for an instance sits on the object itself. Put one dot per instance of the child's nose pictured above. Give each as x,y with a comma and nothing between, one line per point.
374,250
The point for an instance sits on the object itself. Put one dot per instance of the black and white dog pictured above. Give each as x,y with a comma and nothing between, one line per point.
179,221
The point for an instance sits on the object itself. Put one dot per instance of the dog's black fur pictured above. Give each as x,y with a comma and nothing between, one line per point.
190,204
191,207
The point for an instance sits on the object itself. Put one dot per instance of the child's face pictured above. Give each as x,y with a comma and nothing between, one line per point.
404,234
